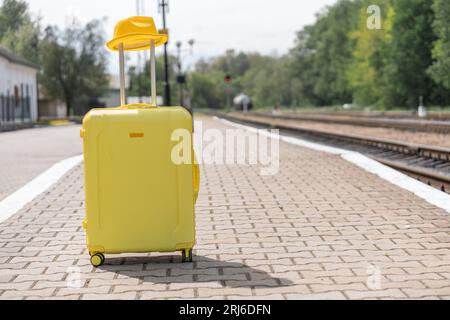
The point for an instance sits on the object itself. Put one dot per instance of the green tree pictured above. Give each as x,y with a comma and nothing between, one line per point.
409,55
323,54
232,63
267,82
74,63
264,78
13,14
365,73
18,32
204,91
24,41
303,71
440,70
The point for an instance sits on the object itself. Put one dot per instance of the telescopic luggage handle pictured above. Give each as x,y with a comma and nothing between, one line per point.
123,99
135,34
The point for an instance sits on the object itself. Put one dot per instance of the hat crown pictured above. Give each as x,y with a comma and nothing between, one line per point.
136,33
133,25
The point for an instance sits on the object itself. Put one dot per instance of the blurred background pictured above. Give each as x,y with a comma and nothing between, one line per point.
370,55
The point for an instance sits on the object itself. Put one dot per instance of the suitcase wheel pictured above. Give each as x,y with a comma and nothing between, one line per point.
97,260
186,256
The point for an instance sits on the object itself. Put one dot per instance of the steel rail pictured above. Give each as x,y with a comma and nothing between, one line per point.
403,124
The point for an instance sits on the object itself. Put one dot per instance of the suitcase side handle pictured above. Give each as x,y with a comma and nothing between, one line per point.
196,181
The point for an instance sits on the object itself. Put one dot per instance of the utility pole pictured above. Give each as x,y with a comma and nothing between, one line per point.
228,82
163,6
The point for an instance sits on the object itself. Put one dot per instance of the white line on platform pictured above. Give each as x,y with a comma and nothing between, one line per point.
16,201
431,195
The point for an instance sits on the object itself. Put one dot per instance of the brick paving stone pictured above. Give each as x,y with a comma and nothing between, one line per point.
375,294
160,295
41,293
320,229
263,298
84,290
144,287
69,297
122,296
53,284
336,295
42,277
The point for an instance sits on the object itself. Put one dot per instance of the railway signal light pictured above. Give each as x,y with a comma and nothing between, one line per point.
228,79
181,79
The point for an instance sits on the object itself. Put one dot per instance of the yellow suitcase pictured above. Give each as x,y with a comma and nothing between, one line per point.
138,200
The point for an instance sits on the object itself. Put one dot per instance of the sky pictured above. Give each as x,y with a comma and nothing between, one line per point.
268,27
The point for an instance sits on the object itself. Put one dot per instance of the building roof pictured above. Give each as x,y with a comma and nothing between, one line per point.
13,58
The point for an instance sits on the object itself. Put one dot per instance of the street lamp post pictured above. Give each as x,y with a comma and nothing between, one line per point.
181,77
164,5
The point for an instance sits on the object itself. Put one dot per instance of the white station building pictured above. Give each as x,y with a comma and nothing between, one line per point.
18,83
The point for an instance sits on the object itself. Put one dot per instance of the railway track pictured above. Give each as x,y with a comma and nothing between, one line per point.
436,126
438,116
425,163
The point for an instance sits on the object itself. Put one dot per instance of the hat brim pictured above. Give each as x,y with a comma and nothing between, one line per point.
137,41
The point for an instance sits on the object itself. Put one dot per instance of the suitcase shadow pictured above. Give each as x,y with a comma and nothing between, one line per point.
169,270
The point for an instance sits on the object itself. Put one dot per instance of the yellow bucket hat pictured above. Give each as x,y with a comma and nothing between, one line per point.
135,33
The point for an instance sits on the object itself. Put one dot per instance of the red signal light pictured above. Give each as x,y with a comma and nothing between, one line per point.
228,79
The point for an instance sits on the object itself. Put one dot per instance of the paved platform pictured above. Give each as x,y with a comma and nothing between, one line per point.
27,153
320,229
